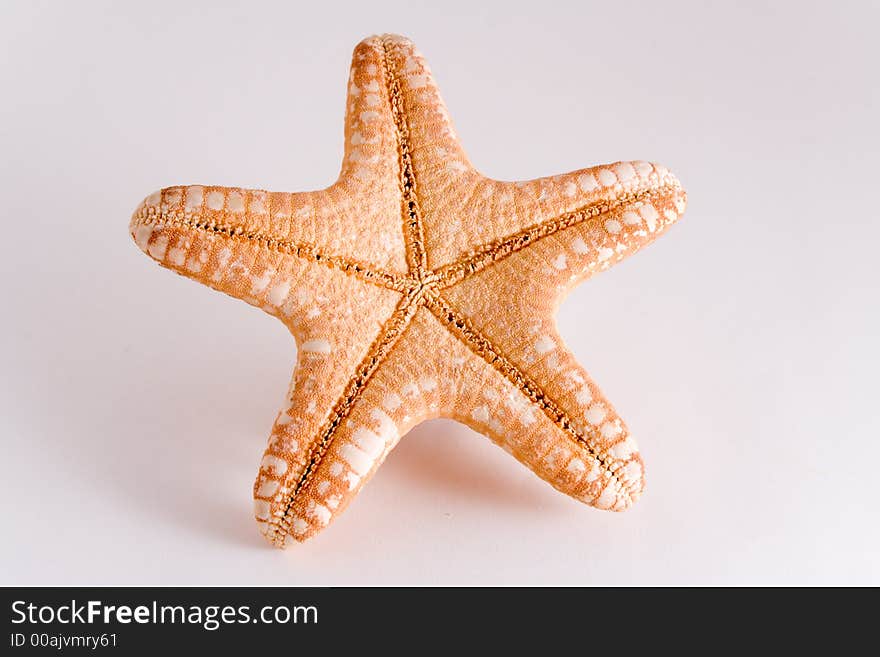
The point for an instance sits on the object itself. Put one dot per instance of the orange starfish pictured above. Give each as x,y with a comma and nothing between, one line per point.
417,288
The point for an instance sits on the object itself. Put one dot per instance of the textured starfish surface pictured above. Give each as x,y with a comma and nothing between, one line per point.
417,288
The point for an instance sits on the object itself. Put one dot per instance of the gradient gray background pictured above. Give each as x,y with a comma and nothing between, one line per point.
743,349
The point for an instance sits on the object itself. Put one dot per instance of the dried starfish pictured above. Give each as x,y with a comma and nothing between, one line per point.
417,288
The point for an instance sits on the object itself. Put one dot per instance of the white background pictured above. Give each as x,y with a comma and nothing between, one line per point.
742,348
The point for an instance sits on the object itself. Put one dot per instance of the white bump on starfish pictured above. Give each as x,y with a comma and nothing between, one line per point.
260,283
527,417
411,64
142,235
630,218
633,471
481,414
385,426
369,442
291,445
392,401
644,169
194,264
649,214
576,467
278,293
357,155
428,384
559,262
215,200
158,247
576,377
584,395
579,246
595,470
544,344
222,260
335,469
596,413
612,226
317,346
235,202
353,479
417,81
274,464
553,457
587,182
261,509
268,488
624,171
356,459
519,406
610,430
258,203
608,497
607,177
624,449
177,256
239,268
194,197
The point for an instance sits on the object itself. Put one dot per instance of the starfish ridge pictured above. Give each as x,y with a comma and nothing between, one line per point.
446,310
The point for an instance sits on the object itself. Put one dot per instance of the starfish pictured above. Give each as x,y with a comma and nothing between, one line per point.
416,288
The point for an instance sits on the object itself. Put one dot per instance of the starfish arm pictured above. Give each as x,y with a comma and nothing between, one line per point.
321,454
426,131
583,223
347,342
236,241
369,188
547,411
433,167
